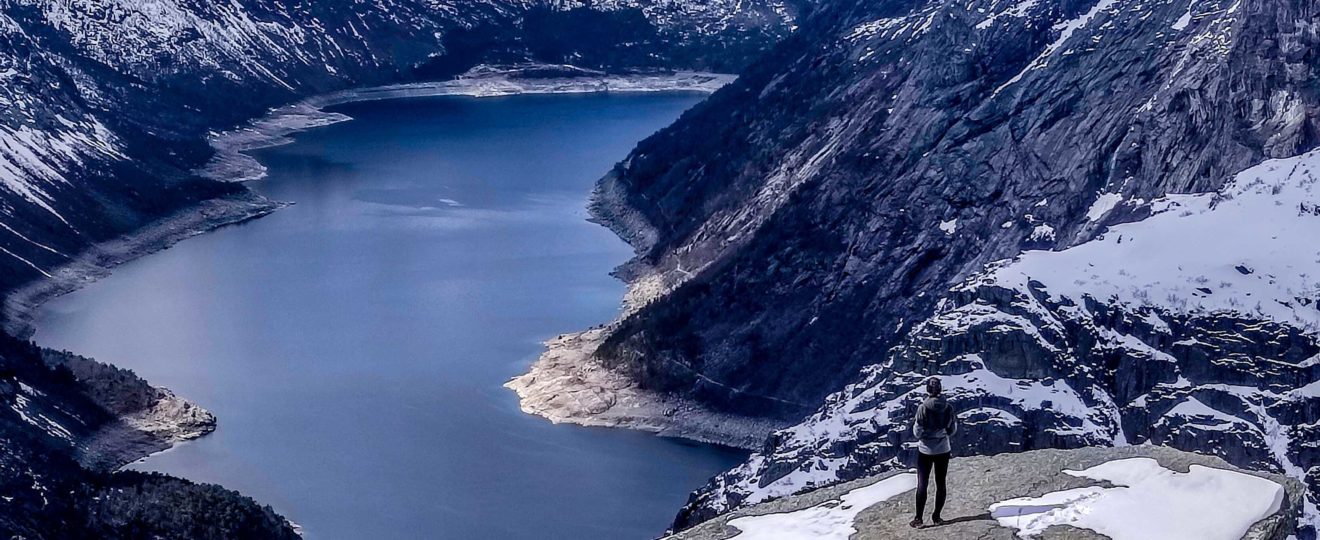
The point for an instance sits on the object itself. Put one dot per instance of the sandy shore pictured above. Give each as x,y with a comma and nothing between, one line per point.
566,385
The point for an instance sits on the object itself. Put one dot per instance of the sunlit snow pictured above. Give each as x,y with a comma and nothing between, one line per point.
949,226
1252,249
1102,205
831,520
1149,501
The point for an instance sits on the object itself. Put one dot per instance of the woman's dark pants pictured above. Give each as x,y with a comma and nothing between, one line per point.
940,462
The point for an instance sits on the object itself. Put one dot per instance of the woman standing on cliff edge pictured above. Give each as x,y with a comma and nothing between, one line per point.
933,425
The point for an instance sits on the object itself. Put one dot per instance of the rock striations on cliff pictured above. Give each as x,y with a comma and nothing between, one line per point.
1141,335
801,222
1096,220
106,106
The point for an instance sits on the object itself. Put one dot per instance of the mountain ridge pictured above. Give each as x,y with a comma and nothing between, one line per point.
108,104
899,189
813,226
105,115
718,227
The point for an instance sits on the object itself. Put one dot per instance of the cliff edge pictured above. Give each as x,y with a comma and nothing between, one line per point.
1146,491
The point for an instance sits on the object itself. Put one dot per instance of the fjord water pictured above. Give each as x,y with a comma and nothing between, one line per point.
353,345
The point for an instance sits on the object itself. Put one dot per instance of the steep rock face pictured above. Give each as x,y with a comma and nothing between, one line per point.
1196,328
794,227
105,104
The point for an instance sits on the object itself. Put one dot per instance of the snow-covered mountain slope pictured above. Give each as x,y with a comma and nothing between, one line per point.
799,223
832,220
1196,327
105,104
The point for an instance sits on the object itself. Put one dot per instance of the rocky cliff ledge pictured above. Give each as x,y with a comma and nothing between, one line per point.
1046,494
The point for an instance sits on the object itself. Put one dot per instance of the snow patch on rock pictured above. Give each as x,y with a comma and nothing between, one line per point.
949,226
1103,205
1149,501
1252,250
831,520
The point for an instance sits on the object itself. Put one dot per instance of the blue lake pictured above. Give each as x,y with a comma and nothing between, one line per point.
353,345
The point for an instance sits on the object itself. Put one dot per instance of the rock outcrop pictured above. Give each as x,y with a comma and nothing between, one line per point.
978,483
844,216
566,386
67,423
1142,335
797,225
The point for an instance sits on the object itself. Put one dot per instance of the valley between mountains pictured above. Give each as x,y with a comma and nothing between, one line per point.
1094,221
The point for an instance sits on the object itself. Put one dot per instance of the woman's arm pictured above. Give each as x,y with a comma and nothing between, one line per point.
917,430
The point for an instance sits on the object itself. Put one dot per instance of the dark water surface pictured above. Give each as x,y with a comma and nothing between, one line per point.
354,345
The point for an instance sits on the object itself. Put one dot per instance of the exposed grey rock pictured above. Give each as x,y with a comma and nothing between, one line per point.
809,226
789,228
980,481
1094,345
566,386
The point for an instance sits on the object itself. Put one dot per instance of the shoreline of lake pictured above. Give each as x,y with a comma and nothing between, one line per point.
566,386
476,206
232,163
